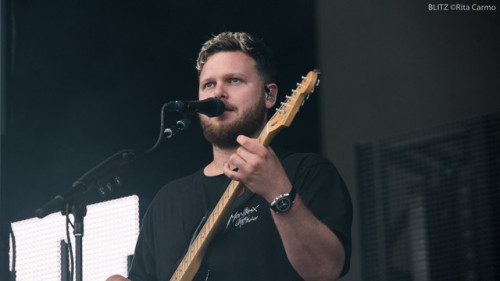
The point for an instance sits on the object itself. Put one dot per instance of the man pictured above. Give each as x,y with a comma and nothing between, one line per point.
309,240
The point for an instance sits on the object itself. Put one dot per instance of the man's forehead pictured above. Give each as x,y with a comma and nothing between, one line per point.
229,63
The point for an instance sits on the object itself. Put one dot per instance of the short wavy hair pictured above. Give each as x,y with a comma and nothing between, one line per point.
246,43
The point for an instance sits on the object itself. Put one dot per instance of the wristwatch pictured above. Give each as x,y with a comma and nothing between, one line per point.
283,203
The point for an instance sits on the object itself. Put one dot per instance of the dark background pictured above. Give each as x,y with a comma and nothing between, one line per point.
84,80
392,68
88,79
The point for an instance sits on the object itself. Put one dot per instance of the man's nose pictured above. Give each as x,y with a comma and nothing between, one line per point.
220,92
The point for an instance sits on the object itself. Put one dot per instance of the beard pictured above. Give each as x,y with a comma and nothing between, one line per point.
248,124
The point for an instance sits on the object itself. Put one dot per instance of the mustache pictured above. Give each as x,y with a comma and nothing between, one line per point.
229,106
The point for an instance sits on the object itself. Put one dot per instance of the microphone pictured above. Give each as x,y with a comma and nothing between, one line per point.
211,107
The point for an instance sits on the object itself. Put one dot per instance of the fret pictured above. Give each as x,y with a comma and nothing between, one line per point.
191,253
216,210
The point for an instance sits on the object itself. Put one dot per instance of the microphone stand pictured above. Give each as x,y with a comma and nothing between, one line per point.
73,202
79,210
104,176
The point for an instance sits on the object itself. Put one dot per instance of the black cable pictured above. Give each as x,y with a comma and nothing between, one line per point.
13,242
70,248
162,128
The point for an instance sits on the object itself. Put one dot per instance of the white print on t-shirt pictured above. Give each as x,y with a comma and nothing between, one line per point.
240,218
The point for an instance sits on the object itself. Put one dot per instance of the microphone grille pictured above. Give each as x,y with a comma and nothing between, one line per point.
219,107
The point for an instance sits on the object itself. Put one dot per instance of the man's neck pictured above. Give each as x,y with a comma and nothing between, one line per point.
221,156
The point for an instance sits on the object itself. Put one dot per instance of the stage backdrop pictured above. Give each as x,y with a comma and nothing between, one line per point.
88,79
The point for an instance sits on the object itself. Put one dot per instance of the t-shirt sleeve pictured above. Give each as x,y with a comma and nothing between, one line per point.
143,264
324,192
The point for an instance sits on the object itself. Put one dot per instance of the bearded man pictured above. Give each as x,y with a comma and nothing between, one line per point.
308,239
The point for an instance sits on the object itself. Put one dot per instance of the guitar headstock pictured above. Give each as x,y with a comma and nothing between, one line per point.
286,112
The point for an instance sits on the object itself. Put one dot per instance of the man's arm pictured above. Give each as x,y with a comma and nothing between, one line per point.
117,278
312,248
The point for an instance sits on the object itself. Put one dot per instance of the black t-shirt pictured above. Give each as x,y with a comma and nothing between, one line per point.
247,245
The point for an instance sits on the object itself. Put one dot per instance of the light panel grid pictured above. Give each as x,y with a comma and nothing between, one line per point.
111,229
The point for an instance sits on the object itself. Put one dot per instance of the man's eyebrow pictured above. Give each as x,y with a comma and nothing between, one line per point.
226,75
240,74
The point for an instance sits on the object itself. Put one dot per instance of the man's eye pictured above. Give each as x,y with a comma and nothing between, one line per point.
209,85
235,80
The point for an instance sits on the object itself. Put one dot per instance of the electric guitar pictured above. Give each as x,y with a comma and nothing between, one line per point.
283,117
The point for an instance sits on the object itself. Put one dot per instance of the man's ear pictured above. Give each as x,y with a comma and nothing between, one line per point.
271,95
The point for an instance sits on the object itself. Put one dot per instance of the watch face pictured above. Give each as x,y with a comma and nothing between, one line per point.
283,204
